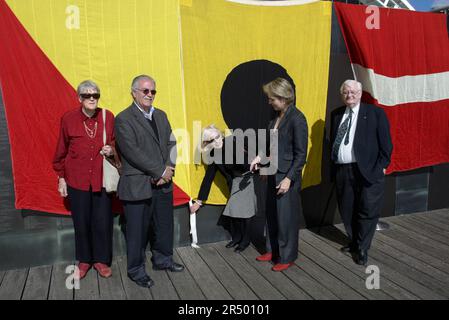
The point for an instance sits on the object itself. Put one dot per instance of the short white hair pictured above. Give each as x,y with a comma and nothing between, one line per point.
136,80
210,138
351,83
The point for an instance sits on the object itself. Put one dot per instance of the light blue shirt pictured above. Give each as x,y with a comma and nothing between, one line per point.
147,115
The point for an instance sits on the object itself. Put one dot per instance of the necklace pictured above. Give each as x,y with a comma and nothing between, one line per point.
91,133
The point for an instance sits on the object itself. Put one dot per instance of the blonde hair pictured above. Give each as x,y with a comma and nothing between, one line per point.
280,88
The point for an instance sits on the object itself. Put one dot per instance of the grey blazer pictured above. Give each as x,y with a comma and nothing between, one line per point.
144,155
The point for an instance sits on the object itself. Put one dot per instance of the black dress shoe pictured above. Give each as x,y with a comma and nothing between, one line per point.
145,282
240,249
362,258
231,244
174,267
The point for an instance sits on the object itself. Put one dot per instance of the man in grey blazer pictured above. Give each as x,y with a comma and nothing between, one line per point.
148,151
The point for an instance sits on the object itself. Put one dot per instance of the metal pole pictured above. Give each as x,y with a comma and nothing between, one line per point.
381,225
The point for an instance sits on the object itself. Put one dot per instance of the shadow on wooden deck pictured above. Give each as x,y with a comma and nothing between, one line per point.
412,258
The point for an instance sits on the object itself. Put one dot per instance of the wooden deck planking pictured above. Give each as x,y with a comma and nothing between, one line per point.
328,280
163,288
352,273
132,291
309,285
38,283
184,283
13,284
288,288
392,270
429,221
58,289
89,288
332,249
211,287
236,287
425,230
418,241
413,251
413,262
413,258
111,288
260,286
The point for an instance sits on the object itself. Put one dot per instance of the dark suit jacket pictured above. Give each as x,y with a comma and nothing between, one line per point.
372,140
144,155
292,144
228,170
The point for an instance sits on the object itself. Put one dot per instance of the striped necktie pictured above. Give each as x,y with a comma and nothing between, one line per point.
343,131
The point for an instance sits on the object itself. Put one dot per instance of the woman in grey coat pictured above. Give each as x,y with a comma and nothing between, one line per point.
241,205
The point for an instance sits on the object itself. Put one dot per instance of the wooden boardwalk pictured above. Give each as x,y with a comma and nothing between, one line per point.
412,257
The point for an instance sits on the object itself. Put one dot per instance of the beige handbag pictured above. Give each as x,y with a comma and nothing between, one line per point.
110,173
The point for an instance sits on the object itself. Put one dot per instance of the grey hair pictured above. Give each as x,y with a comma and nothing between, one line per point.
138,78
351,83
87,84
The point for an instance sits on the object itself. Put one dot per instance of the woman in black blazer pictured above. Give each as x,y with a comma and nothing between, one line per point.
288,145
241,204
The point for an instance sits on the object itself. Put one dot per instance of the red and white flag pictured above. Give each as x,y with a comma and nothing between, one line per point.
402,59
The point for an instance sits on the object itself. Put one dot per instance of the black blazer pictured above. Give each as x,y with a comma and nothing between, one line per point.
292,144
372,140
228,170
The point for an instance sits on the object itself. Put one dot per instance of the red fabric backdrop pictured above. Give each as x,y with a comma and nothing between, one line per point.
411,45
36,95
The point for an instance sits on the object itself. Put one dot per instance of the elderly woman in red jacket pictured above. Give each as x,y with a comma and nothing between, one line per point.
78,162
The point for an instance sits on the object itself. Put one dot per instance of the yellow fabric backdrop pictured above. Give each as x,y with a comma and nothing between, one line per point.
219,35
118,40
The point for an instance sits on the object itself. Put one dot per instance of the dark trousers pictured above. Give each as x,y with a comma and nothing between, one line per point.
137,226
162,222
283,221
151,221
238,228
93,224
359,203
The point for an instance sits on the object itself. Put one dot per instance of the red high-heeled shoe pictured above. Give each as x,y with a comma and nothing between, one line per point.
281,266
265,257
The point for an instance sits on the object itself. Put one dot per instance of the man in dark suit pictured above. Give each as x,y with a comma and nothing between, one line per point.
361,151
148,152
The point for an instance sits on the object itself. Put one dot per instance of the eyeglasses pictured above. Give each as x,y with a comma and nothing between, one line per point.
147,91
96,96
212,140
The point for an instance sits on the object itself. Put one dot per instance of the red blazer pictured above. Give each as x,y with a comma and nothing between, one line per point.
77,157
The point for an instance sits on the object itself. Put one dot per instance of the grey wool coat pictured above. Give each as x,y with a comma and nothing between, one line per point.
144,154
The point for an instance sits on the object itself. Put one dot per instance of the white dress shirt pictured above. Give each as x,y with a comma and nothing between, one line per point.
346,152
